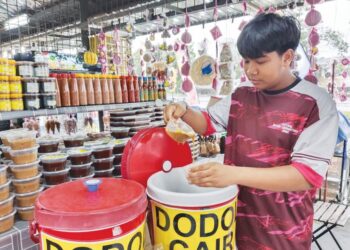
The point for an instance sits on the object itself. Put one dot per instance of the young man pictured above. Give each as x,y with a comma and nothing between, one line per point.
281,134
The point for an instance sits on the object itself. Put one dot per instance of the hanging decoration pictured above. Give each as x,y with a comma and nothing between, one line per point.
116,58
102,50
313,17
186,38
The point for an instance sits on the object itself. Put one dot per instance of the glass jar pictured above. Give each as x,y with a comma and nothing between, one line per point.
11,67
104,89
48,100
5,103
15,84
136,89
82,89
64,90
16,102
73,90
3,66
41,70
117,90
30,85
31,101
97,89
47,85
25,68
111,89
4,85
89,89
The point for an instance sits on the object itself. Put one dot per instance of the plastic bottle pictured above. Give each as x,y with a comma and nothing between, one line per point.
131,91
64,90
90,92
145,90
73,89
104,89
117,90
140,82
111,89
124,89
136,89
97,89
82,89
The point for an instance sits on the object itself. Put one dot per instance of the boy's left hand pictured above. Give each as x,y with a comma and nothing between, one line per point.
211,174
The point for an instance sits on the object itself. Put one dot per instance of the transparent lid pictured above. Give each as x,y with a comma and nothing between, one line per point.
28,165
53,157
71,207
30,193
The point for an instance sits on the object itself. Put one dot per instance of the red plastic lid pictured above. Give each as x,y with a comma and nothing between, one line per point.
148,151
72,75
71,207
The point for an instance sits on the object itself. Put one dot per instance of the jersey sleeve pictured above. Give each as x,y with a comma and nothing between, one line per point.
314,148
218,114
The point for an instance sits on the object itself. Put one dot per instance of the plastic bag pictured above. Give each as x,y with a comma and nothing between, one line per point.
179,131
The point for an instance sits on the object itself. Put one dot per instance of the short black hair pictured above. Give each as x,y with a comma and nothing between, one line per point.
268,33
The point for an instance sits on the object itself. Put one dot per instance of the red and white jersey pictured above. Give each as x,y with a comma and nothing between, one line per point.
295,126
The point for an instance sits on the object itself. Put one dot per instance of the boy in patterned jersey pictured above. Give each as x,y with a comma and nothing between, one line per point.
281,134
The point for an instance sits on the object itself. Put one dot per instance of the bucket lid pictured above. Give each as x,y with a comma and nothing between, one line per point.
71,207
150,151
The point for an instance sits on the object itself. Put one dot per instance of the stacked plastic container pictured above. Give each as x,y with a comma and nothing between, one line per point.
80,163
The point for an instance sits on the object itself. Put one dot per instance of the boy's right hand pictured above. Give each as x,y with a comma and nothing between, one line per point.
174,111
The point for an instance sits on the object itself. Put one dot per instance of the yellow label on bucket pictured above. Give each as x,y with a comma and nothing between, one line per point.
205,229
131,241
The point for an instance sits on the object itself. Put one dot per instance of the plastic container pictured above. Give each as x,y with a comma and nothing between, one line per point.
117,159
48,145
25,213
73,141
7,222
119,133
16,102
133,124
31,101
5,191
4,85
25,68
79,156
6,206
5,103
22,140
103,164
48,100
27,199
102,151
122,113
115,213
47,85
83,177
138,128
24,156
54,162
11,67
119,146
77,171
117,171
55,178
3,174
6,151
41,69
26,185
104,173
25,171
30,85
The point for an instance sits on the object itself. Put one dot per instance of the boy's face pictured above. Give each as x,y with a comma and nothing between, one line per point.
269,71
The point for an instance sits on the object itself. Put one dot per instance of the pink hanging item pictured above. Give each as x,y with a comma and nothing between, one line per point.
216,32
185,69
187,85
186,37
313,17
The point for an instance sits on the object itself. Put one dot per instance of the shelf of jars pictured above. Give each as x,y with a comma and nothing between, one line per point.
71,110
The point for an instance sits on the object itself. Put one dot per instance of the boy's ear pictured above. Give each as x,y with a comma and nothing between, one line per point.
288,57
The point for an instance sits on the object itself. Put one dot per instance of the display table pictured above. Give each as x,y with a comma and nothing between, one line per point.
17,238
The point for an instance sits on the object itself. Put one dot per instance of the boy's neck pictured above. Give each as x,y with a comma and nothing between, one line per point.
284,82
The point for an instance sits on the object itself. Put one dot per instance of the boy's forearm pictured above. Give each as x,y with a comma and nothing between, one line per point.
278,179
196,120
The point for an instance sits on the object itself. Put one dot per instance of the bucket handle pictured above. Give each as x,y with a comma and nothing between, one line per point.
34,232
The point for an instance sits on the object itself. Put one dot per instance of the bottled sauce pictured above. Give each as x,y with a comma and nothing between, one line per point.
64,90
136,89
160,92
58,94
111,89
140,82
73,89
145,90
117,90
124,89
131,91
89,85
104,89
97,89
155,88
164,92
150,90
82,89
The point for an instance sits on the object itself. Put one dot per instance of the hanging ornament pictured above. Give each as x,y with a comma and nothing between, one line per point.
163,46
187,85
345,61
314,38
243,78
152,37
187,20
185,69
148,44
344,74
313,1
272,10
313,17
216,32
165,34
170,59
311,78
241,25
186,37
175,30
260,11
170,47
176,46
244,5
